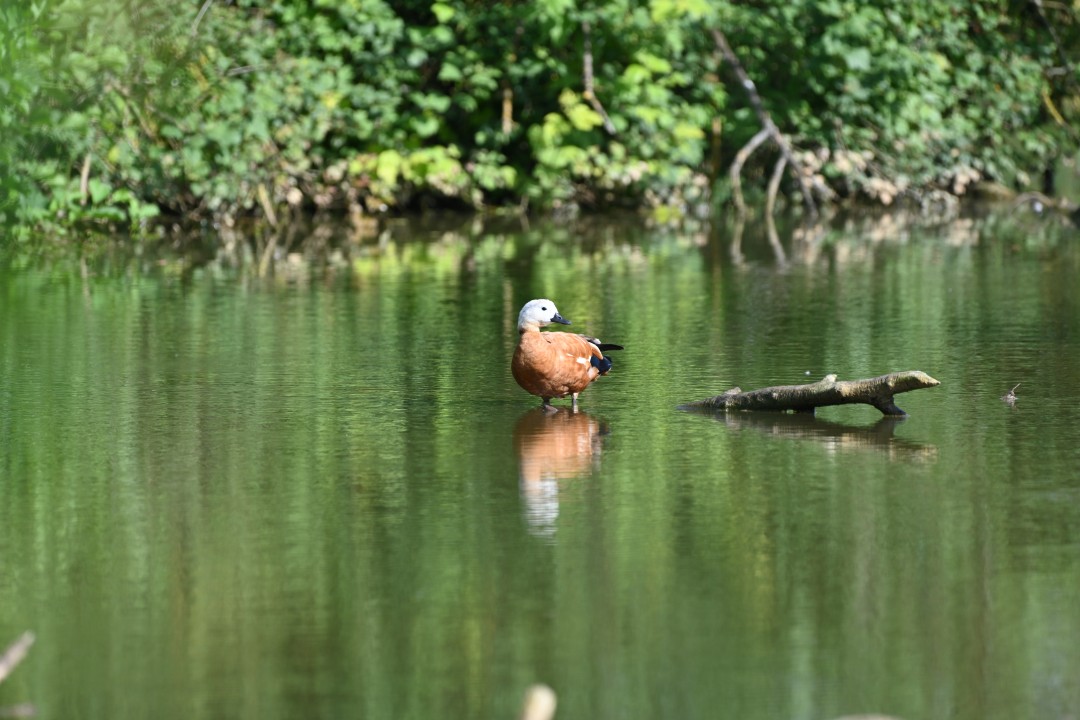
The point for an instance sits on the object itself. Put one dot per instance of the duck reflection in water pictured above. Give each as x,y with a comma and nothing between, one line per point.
552,448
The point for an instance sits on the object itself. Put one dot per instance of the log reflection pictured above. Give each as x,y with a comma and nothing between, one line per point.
837,437
552,448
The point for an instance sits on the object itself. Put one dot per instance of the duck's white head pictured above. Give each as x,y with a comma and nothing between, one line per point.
539,313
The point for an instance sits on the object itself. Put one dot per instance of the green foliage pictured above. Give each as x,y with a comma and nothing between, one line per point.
115,112
903,97
85,100
20,82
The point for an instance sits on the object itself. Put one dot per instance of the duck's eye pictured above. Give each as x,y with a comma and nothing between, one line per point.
543,308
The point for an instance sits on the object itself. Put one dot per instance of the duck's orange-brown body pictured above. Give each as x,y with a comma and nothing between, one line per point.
554,364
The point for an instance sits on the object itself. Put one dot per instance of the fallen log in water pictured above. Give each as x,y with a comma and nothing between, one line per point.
878,391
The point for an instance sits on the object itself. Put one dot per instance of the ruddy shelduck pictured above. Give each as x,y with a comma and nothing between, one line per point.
555,364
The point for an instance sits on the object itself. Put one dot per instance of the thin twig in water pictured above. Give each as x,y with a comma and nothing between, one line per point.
22,710
268,254
15,654
774,240
774,185
1010,397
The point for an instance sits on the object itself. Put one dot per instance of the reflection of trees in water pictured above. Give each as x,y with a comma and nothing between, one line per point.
446,245
552,447
850,238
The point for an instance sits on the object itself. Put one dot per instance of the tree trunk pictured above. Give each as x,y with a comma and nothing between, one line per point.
878,391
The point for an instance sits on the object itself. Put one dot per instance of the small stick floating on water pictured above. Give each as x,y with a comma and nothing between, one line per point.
1010,397
15,654
9,660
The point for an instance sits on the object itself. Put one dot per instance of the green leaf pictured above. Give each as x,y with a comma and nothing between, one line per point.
654,63
583,117
450,72
416,57
858,59
426,126
685,131
443,12
442,35
99,190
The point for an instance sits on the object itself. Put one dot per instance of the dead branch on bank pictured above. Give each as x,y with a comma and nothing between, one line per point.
1066,68
587,79
769,130
84,181
878,391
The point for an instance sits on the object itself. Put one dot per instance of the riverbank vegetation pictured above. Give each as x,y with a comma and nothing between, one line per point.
118,113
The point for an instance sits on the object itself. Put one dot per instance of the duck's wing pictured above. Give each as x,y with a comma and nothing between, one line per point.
555,364
578,360
600,345
593,347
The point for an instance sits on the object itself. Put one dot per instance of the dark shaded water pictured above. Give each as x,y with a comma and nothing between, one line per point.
322,494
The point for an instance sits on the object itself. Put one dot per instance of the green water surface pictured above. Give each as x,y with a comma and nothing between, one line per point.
321,495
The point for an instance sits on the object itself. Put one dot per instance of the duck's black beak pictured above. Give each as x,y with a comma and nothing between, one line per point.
560,319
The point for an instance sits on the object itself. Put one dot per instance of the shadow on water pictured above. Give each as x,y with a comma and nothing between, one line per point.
553,448
837,437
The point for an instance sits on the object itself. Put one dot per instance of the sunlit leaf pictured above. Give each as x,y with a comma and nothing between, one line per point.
449,72
443,12
583,117
858,59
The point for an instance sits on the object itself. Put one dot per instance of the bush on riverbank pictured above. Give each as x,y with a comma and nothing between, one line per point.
119,111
